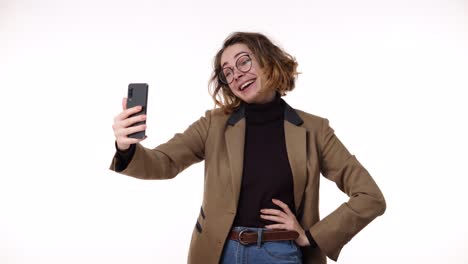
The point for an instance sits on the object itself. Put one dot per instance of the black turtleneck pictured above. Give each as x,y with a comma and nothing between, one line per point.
266,170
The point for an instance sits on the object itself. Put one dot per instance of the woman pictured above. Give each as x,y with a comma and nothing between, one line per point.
262,165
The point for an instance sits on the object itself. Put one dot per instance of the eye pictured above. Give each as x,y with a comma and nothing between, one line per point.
244,60
227,73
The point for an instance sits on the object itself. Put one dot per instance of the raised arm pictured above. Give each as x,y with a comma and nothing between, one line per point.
170,158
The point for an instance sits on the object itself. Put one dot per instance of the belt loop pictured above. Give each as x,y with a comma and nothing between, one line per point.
259,237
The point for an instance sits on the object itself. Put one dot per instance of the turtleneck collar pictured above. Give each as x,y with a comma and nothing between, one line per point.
267,112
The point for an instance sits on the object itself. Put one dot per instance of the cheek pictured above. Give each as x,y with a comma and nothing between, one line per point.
231,89
258,73
259,76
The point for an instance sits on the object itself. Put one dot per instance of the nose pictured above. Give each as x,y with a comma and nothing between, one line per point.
237,74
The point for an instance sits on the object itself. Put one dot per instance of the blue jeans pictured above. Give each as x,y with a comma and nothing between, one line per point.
278,252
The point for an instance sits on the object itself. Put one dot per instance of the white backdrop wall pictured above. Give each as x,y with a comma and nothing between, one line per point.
391,76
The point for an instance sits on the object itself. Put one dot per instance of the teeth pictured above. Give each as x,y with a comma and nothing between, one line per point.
245,84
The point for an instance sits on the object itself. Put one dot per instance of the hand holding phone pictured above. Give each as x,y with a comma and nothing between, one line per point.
138,96
129,126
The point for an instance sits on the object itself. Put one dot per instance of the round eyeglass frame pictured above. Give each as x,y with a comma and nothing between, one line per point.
221,76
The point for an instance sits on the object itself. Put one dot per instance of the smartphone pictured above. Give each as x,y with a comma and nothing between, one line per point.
138,95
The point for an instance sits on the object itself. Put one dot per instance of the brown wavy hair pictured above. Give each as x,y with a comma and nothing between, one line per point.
279,68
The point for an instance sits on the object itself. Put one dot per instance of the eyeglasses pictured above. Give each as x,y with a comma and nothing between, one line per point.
243,64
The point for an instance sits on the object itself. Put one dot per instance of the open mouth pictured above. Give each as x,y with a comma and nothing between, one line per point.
246,85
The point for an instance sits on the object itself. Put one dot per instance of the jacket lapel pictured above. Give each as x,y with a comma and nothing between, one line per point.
235,138
295,137
296,146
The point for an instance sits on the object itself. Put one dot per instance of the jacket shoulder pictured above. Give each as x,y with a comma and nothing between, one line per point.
311,120
216,112
216,115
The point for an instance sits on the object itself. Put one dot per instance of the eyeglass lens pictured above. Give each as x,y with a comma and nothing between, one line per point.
243,64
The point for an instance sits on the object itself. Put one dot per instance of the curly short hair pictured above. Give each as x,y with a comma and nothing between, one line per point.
278,66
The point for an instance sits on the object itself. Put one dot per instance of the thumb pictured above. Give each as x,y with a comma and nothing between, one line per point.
124,103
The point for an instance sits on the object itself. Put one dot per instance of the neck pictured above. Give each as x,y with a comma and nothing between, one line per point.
270,98
266,112
275,96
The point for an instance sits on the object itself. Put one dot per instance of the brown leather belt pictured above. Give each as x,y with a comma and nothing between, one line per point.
246,237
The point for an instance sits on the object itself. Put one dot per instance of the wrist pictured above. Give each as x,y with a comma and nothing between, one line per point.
122,147
302,240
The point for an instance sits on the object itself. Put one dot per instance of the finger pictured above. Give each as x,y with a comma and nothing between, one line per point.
127,112
132,120
274,212
274,218
276,226
124,103
283,206
130,130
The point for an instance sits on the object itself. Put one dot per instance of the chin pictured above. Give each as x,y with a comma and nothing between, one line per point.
248,99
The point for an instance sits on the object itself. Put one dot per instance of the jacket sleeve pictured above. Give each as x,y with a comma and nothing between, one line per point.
170,158
366,200
123,157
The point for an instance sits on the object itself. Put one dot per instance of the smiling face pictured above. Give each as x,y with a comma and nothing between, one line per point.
247,86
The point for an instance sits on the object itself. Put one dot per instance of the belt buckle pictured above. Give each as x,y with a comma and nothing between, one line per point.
239,237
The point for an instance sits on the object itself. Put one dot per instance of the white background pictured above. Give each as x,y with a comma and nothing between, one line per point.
391,76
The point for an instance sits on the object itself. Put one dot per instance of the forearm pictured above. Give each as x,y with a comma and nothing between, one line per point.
146,164
339,227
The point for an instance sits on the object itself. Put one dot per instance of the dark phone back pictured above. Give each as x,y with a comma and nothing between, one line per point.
138,95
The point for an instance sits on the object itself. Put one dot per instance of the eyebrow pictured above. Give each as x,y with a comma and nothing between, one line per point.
235,56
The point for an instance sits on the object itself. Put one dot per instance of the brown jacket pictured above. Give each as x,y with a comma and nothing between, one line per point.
312,149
